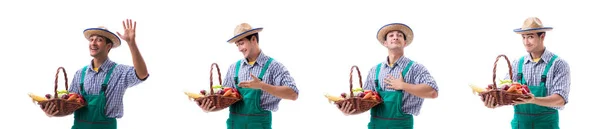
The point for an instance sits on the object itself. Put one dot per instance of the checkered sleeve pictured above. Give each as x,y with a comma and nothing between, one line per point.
130,76
283,77
369,83
228,80
424,77
74,86
561,82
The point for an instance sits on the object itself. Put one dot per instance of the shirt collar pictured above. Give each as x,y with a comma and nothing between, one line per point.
546,56
260,60
105,66
401,60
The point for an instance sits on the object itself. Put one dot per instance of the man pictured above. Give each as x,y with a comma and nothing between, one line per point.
261,81
103,82
547,76
402,83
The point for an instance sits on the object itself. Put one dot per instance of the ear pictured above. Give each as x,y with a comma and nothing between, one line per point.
543,36
253,40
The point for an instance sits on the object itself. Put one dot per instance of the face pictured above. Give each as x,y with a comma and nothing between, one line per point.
98,46
394,40
532,41
246,46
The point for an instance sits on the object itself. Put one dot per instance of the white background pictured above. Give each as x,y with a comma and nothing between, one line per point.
318,41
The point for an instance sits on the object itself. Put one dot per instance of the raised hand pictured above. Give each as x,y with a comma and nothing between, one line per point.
129,28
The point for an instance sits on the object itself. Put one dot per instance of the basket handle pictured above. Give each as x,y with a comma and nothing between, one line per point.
496,64
211,76
56,81
359,79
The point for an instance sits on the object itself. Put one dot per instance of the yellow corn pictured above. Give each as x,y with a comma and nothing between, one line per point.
476,89
193,96
36,98
332,98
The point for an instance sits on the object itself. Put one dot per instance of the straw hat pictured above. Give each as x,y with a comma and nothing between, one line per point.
532,25
243,30
408,33
102,31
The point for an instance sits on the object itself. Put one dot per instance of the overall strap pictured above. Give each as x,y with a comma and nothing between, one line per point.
237,71
107,78
520,77
377,77
545,73
82,80
264,69
404,71
260,76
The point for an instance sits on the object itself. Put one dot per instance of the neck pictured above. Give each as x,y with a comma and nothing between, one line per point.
537,54
252,57
98,61
393,56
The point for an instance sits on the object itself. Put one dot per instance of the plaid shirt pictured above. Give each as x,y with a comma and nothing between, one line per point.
123,77
417,74
276,75
558,80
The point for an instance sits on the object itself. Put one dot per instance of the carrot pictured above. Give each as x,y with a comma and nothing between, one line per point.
227,93
513,89
72,97
368,95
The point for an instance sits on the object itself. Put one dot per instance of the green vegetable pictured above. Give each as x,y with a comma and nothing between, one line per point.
217,87
507,81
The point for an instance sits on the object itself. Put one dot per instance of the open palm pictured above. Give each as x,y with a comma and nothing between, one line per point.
129,34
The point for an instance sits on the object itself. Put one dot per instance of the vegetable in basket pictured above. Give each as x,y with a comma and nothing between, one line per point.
261,81
107,79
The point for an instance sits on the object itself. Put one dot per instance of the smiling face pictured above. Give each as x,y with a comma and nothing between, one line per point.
247,46
99,45
394,40
533,41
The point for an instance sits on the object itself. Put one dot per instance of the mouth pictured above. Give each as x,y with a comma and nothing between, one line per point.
94,48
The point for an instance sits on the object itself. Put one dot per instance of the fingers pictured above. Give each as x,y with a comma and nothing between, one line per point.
129,24
121,36
353,110
124,25
134,26
388,81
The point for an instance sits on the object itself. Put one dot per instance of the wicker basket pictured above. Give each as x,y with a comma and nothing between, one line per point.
501,97
219,101
63,106
359,104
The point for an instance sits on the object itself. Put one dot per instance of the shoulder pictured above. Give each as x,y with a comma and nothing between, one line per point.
416,66
121,67
561,63
375,67
275,64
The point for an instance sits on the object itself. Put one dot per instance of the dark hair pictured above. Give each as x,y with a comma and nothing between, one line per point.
249,37
403,35
540,33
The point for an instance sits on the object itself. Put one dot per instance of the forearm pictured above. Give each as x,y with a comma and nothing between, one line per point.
553,100
283,92
138,61
421,90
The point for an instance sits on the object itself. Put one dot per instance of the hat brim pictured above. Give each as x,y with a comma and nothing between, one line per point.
532,30
244,34
408,33
103,32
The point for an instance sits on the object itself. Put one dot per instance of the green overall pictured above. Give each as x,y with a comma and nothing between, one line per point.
531,116
93,115
247,114
389,114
